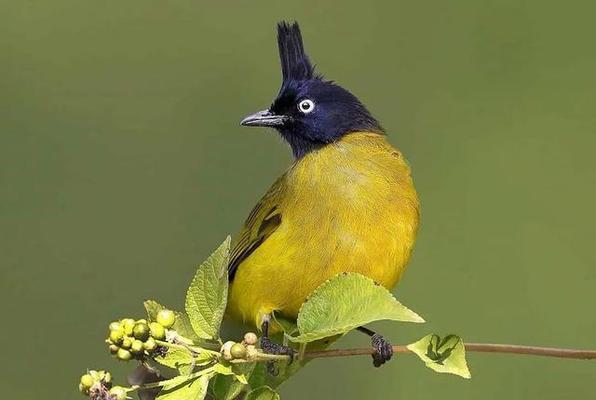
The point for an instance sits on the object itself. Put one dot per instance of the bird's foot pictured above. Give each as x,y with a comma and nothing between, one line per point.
270,347
383,350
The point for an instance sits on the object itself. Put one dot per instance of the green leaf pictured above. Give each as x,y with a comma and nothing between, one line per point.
175,382
195,389
446,355
152,307
175,358
228,387
207,295
262,393
345,302
181,325
183,359
289,327
223,369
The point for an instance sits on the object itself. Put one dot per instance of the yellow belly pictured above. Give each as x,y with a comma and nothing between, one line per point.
350,206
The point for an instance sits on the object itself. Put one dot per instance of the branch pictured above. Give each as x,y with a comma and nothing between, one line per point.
472,347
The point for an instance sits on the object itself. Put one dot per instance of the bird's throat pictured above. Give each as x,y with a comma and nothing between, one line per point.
301,145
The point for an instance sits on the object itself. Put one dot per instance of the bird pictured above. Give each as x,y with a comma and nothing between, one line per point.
347,202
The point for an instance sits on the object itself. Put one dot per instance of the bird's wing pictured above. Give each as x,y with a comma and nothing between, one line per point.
262,221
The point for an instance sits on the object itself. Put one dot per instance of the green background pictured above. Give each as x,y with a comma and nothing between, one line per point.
122,165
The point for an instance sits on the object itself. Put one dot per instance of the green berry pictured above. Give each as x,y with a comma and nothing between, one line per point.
126,343
136,347
166,318
150,345
141,331
118,393
124,355
157,331
128,324
87,381
238,350
116,336
115,326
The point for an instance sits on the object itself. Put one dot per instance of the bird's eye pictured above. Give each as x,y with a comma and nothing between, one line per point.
306,106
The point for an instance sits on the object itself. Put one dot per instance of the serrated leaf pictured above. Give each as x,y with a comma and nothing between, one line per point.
195,389
175,382
262,393
175,358
183,359
153,308
446,355
228,387
345,302
241,378
206,297
289,327
223,369
181,324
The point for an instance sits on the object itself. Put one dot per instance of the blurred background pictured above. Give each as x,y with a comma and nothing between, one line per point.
122,165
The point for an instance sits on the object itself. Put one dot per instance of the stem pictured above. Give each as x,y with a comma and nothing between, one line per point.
473,347
578,354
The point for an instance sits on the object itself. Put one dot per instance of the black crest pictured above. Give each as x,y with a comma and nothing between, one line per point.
295,64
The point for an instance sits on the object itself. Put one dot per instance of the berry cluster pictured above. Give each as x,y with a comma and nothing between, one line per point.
136,339
245,350
98,385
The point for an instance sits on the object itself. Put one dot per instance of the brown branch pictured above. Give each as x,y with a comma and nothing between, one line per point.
472,347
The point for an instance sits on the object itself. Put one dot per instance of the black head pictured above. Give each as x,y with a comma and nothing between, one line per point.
309,111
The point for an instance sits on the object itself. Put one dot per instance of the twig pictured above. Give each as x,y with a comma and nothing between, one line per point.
472,347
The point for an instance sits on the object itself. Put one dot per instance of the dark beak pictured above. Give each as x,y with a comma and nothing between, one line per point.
264,118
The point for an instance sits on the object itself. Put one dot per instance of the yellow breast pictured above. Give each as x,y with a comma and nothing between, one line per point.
349,206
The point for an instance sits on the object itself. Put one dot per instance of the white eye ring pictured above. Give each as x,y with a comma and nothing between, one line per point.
306,106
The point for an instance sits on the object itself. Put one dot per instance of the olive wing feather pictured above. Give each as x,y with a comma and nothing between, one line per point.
262,221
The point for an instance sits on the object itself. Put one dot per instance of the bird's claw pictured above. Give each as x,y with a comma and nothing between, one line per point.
270,347
383,350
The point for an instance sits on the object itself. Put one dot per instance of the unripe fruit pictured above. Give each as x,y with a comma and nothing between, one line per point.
116,336
113,349
238,351
115,326
128,324
124,355
141,331
126,343
150,345
136,347
157,331
118,393
166,318
87,381
226,350
250,338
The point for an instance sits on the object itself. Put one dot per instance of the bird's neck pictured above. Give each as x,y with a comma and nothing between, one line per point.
301,145
351,146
